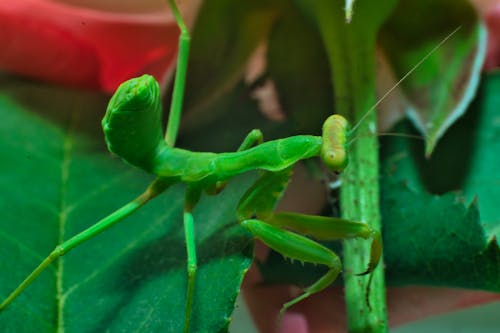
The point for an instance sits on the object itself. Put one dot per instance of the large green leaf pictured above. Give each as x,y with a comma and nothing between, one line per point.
440,90
57,179
446,239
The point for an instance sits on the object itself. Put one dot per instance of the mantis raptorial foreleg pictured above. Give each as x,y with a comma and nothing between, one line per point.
297,247
277,230
331,228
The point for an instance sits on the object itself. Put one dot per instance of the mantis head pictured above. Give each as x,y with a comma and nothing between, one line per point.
334,147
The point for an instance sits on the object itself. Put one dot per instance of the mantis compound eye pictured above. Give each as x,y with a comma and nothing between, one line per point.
334,147
132,124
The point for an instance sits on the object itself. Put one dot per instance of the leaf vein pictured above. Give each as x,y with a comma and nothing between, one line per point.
62,219
113,259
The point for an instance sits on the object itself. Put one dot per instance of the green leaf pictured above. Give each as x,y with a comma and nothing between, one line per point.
440,90
226,34
56,180
297,63
482,178
446,240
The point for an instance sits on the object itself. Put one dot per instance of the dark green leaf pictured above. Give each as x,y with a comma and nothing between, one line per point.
297,64
440,90
446,239
225,36
237,114
483,179
56,180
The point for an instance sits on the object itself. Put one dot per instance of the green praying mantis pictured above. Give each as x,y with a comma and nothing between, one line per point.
132,127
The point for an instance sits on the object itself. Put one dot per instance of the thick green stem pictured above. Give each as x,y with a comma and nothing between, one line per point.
360,202
360,197
351,52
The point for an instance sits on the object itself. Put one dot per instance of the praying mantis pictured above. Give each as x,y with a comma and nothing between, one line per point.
132,127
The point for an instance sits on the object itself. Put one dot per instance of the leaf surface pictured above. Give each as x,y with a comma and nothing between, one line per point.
448,239
225,36
56,180
298,65
442,87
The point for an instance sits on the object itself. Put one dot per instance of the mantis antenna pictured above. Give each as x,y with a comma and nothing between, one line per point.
374,107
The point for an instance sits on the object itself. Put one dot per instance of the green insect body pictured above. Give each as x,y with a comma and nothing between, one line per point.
132,128
134,113
201,171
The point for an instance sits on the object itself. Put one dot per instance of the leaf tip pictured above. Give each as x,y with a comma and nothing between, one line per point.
430,144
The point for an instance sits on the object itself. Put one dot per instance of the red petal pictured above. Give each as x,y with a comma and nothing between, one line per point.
83,47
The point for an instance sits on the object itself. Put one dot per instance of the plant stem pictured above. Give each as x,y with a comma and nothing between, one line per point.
360,201
351,52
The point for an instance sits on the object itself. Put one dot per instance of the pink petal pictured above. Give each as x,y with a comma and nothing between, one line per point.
493,23
84,47
293,322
